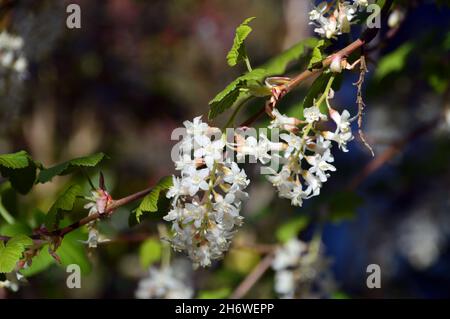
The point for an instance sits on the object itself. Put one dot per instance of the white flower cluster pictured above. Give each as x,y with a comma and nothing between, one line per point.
166,283
312,146
301,271
206,199
11,53
333,20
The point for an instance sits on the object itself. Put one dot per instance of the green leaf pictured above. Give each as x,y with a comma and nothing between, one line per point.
343,206
11,253
15,229
15,160
20,169
151,202
317,88
251,83
220,293
237,52
279,64
64,202
68,167
72,251
226,98
394,61
291,228
150,252
317,57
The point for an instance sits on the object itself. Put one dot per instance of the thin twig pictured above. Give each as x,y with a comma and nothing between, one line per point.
360,101
253,277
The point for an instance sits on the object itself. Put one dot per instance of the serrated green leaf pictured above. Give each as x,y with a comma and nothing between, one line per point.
291,228
251,83
226,98
14,160
20,169
343,206
317,56
68,167
237,51
150,252
151,202
394,61
64,202
11,253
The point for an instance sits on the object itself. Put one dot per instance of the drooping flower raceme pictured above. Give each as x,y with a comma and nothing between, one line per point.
333,20
167,282
306,158
206,198
301,270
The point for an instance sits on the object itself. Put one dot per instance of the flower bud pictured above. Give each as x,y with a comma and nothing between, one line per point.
336,65
395,18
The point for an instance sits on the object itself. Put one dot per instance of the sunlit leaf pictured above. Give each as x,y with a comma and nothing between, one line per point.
68,167
12,252
237,52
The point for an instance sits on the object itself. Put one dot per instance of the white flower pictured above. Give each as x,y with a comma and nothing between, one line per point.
197,129
285,283
259,150
194,179
318,11
210,152
313,183
177,189
297,195
283,121
328,27
277,179
341,138
184,161
98,202
312,114
320,165
343,134
176,213
295,143
194,213
235,175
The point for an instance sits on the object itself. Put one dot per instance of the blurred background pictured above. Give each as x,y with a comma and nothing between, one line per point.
137,69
